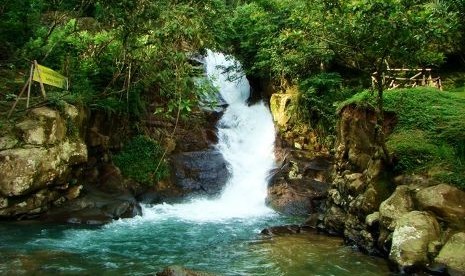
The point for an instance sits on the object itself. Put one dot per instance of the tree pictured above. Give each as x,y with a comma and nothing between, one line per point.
368,34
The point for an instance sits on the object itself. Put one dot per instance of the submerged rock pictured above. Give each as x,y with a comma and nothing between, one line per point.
282,230
181,271
95,207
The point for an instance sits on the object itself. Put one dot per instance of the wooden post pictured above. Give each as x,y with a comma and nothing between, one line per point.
19,97
29,85
42,88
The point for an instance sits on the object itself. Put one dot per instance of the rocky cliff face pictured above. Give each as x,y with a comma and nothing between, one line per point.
298,185
409,219
415,222
36,161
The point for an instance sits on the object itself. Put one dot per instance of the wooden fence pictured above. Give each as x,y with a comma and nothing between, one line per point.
400,77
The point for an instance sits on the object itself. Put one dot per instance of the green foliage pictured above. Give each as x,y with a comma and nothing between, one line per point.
142,160
428,137
117,54
279,39
316,102
415,152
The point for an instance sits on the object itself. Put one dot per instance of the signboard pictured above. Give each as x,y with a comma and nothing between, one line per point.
48,76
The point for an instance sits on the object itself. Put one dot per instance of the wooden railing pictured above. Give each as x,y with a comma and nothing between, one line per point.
401,77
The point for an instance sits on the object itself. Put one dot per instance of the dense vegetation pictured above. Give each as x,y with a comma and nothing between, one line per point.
142,160
122,55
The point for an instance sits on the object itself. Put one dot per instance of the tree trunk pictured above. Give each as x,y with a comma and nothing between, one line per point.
379,111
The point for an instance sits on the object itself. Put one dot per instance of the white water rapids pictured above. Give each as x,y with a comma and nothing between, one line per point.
246,140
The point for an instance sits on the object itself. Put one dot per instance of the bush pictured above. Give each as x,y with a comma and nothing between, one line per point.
139,160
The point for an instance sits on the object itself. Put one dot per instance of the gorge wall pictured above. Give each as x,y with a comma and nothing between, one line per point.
414,221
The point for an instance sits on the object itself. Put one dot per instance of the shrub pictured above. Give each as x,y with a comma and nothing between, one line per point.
141,159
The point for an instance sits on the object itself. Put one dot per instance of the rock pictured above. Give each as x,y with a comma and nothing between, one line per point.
32,205
356,185
31,132
280,105
181,271
445,201
27,169
296,197
365,203
334,220
413,233
398,204
453,254
95,207
7,142
201,172
44,126
281,230
371,219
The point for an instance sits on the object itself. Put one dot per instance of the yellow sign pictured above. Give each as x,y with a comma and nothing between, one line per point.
48,76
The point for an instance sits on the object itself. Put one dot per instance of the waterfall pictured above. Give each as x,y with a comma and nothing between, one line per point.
246,141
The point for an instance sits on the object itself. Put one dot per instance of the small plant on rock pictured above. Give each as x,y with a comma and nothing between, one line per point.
141,159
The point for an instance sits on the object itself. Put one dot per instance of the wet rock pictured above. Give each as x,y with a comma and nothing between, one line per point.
413,233
281,230
31,206
453,254
297,197
181,271
95,207
334,220
398,204
202,172
445,201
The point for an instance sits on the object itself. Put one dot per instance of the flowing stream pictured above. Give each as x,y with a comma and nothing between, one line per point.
219,236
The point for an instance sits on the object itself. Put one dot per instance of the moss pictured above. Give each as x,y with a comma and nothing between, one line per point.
429,137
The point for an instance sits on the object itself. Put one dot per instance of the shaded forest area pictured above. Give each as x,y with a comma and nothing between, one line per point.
139,57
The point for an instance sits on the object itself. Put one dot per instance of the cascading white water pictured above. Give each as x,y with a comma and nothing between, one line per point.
246,140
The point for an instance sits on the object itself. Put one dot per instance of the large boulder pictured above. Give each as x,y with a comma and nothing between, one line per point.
36,164
453,254
27,169
413,234
398,204
445,201
201,172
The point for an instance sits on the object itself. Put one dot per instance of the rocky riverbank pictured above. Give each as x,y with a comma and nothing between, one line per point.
414,220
